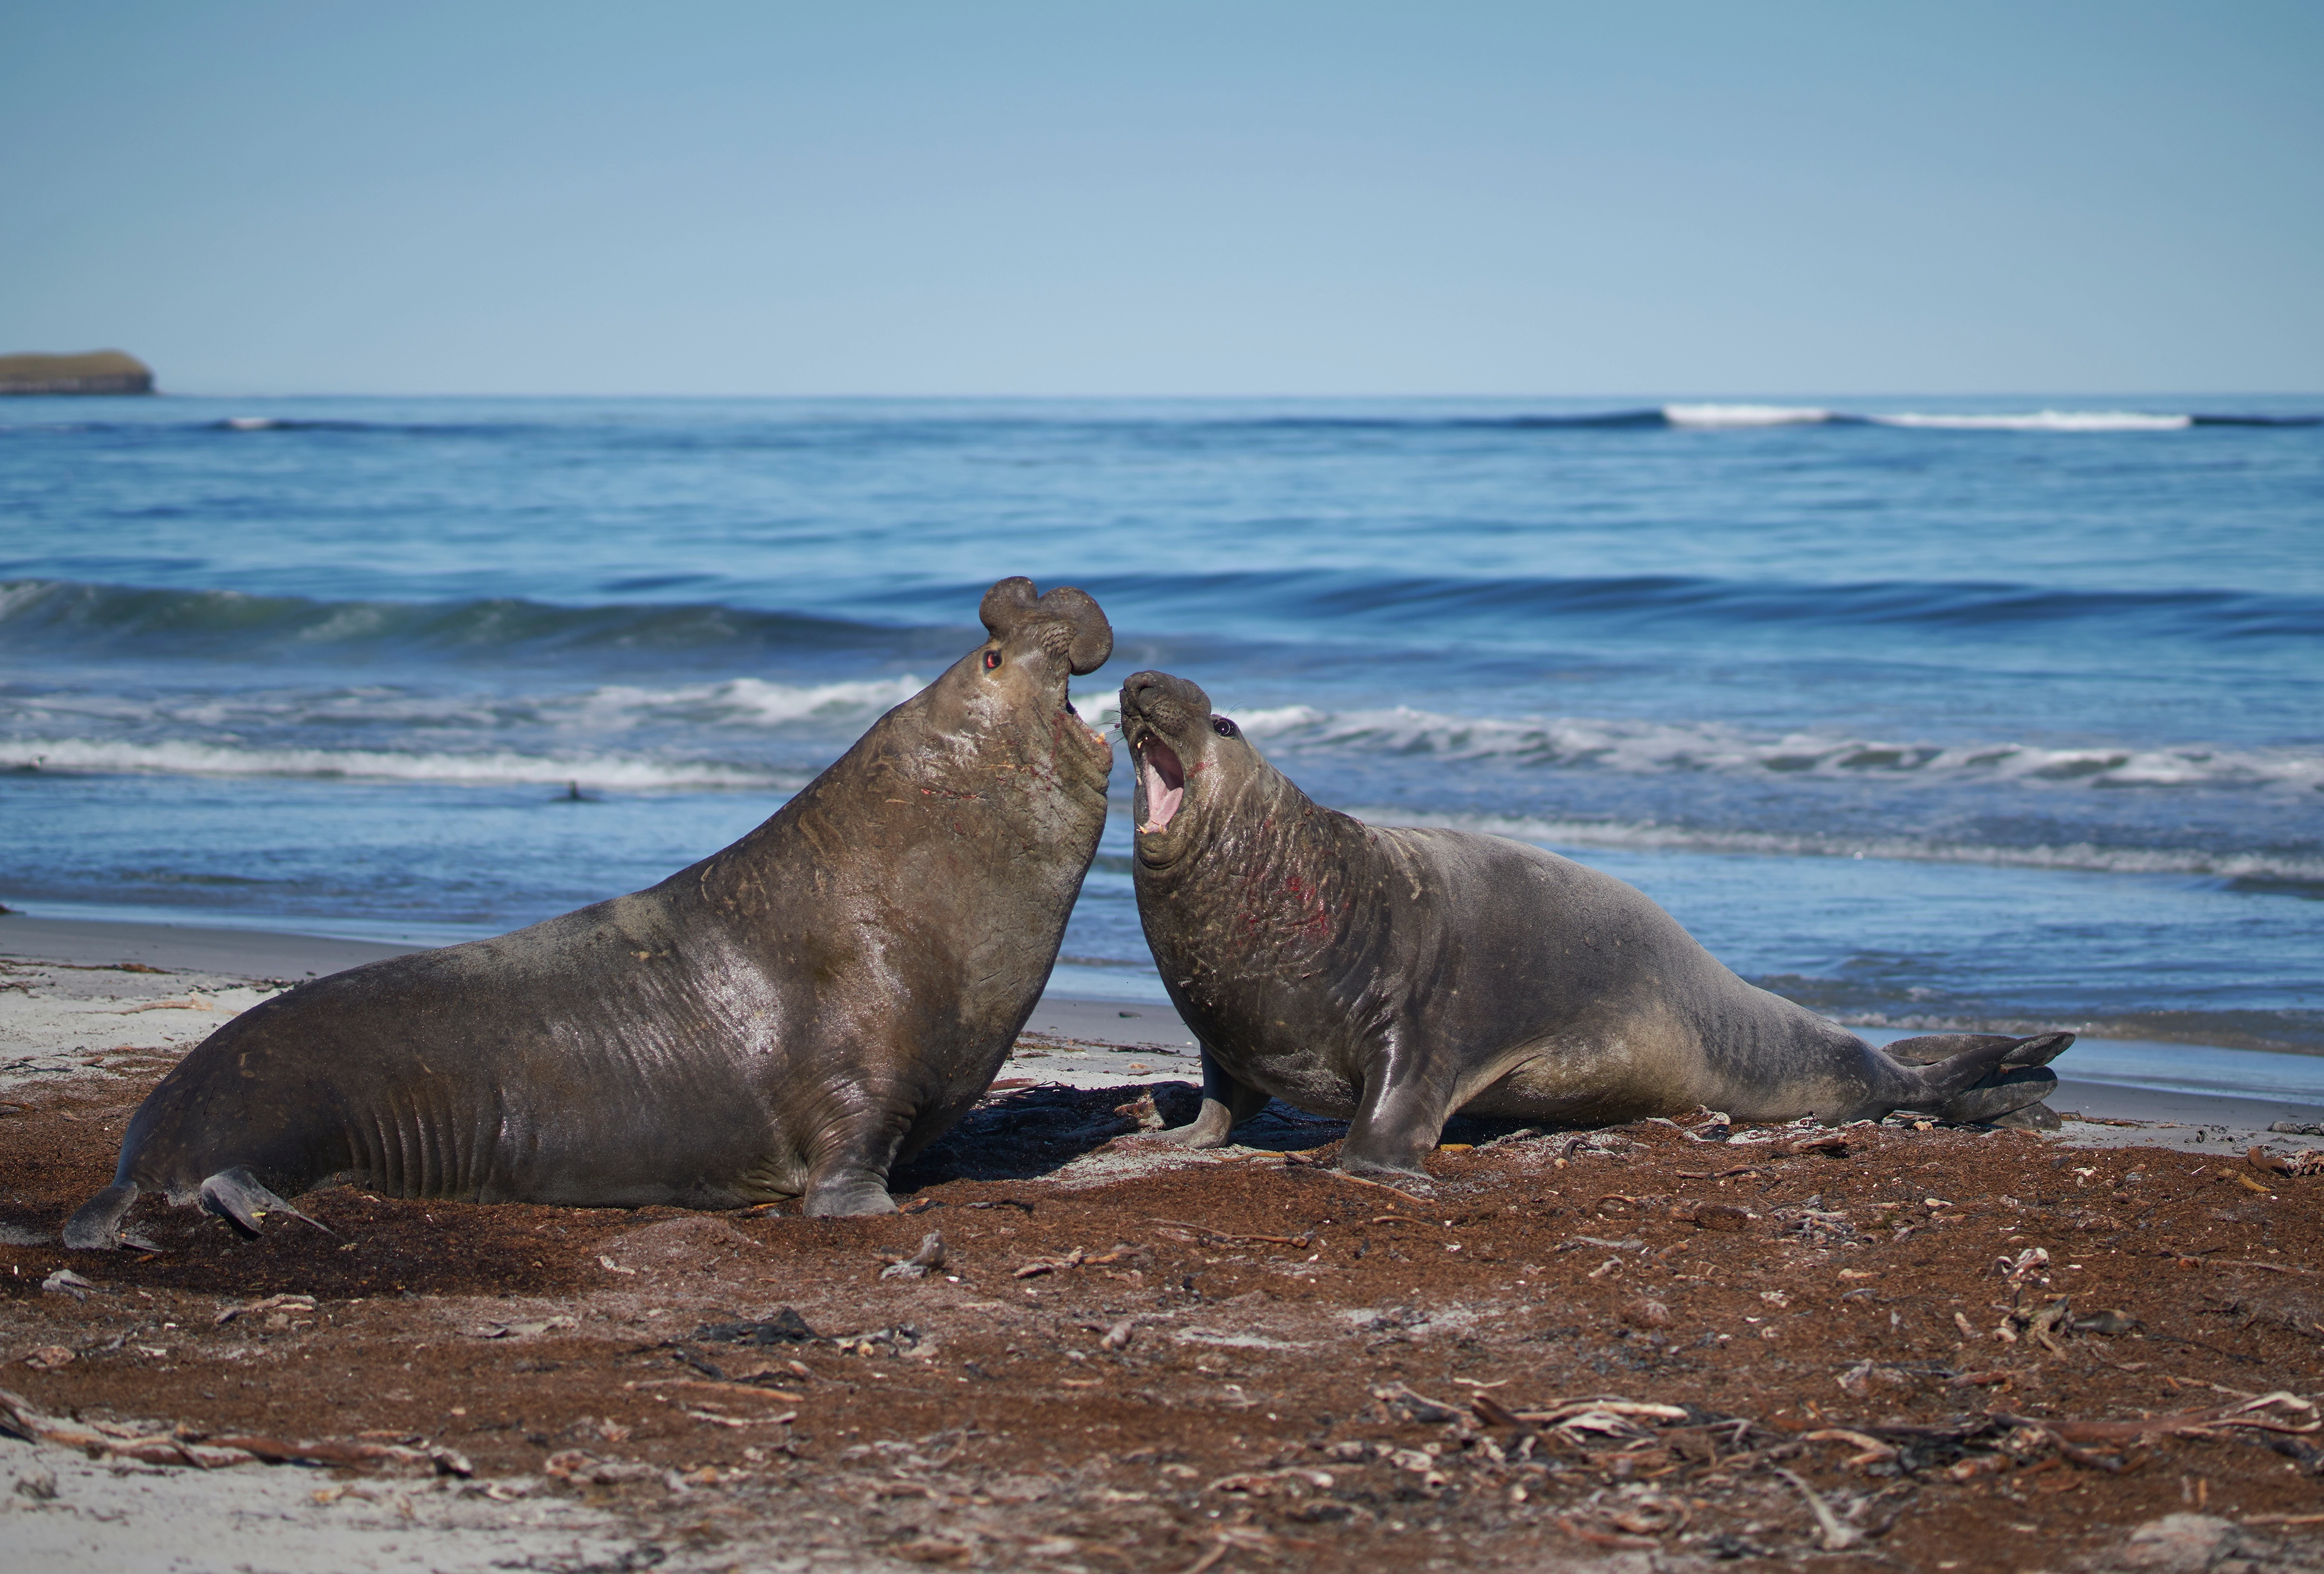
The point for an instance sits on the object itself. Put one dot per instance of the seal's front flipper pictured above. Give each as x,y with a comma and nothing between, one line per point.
849,1194
1226,1105
95,1225
1398,1123
235,1194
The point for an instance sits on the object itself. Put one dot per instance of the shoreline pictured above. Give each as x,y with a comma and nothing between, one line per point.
1080,1026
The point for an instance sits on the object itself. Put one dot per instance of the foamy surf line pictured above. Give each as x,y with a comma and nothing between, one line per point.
1655,748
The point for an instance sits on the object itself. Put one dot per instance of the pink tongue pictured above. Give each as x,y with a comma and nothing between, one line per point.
1161,801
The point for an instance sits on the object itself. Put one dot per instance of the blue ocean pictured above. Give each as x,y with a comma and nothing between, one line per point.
1927,713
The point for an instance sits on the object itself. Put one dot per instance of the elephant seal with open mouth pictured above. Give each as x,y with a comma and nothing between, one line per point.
1395,977
787,1017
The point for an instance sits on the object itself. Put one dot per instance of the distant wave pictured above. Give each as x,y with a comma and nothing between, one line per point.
2272,868
1718,417
180,757
286,423
1656,748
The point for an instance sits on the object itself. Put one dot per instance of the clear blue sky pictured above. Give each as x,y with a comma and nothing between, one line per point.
1443,197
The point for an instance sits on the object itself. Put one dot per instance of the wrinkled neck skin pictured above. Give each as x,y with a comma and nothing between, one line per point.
1270,906
954,735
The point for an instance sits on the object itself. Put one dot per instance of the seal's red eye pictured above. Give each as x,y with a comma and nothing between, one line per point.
992,659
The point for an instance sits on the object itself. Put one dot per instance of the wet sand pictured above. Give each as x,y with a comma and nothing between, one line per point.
226,955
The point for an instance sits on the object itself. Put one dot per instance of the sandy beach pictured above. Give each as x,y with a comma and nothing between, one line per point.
1636,1348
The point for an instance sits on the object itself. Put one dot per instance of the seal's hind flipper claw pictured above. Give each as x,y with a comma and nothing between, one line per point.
95,1225
2038,1050
237,1195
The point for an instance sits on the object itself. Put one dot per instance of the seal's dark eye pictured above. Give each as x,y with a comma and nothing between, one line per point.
992,659
1223,726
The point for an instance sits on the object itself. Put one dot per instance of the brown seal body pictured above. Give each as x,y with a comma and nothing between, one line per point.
787,1017
1395,976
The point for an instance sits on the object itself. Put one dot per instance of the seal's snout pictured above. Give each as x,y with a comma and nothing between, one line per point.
1160,700
1163,779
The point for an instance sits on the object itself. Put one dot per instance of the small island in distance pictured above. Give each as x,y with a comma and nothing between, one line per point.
98,371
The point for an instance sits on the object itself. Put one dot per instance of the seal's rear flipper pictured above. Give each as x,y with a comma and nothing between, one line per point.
1947,1065
95,1225
1976,1079
236,1194
1987,1102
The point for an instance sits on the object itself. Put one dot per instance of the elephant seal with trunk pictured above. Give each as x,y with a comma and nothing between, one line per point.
787,1017
1395,977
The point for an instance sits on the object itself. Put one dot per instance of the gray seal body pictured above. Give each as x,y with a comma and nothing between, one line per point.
787,1017
1394,977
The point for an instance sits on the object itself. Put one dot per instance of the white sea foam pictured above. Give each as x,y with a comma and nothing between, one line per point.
1738,417
738,702
747,701
1655,747
1279,718
1651,836
182,757
1652,747
1718,417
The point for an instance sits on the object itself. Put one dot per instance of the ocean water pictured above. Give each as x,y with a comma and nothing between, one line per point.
1928,713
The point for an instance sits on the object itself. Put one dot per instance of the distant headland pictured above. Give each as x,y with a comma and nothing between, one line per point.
98,371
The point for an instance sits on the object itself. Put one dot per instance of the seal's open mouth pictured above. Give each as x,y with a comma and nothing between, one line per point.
1164,780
